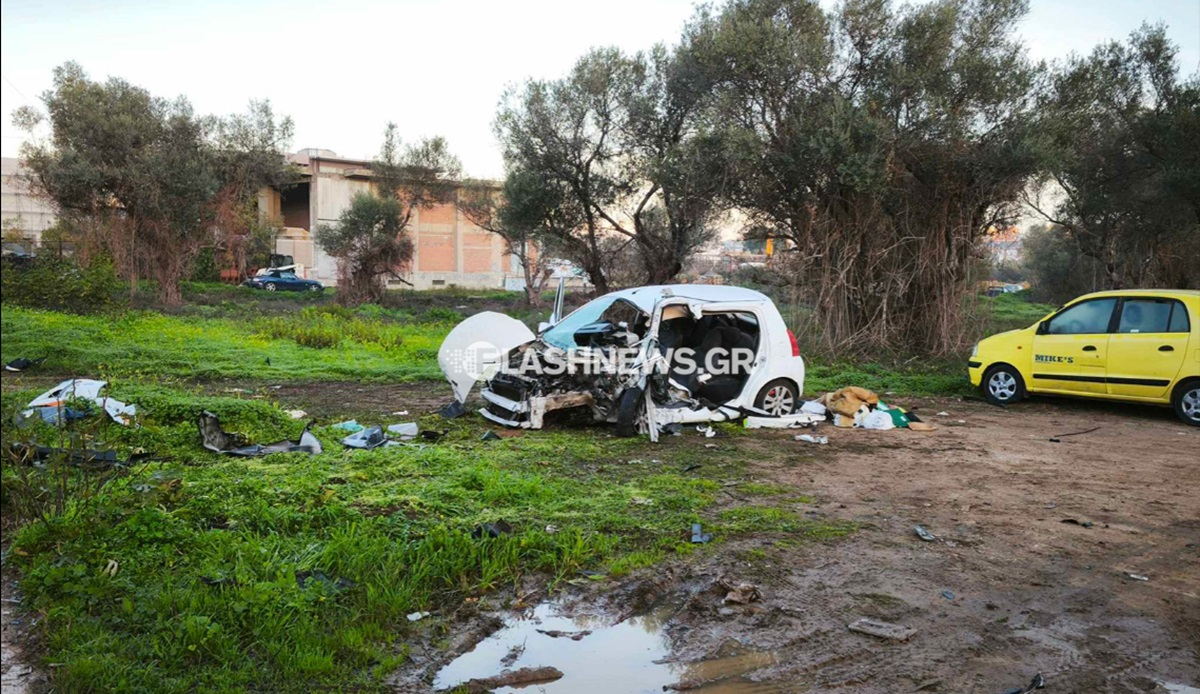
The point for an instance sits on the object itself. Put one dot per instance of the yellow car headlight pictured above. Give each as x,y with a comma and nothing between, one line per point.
975,350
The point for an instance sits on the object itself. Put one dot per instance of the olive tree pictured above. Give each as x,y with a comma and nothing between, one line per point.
157,181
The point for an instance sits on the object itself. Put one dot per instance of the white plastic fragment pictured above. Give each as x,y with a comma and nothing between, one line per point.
83,389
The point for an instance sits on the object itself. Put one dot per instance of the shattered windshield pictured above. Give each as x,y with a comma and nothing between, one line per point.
563,334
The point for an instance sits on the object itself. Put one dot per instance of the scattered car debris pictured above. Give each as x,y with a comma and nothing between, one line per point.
1137,577
489,435
304,578
493,529
349,425
1076,521
738,593
882,630
452,410
366,439
83,458
217,440
405,430
400,413
21,364
788,421
511,678
557,634
810,438
698,536
434,436
71,389
297,414
948,594
418,616
57,415
693,466
708,431
923,533
814,407
1038,682
943,414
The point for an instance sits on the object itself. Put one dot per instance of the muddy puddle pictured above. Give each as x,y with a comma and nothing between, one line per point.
629,656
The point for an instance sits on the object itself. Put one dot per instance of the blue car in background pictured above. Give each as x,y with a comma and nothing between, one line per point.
283,281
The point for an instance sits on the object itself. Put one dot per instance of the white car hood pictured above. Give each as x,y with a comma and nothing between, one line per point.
476,348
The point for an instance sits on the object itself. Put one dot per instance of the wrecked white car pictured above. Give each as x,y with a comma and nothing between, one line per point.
643,358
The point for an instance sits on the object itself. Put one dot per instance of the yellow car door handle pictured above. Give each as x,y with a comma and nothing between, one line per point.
1166,348
1089,348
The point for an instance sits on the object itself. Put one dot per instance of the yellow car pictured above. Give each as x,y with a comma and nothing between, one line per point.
1138,345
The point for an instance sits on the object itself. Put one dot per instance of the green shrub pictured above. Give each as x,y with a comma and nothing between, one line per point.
61,284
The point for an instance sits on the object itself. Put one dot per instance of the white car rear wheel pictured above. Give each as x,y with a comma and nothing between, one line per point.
777,398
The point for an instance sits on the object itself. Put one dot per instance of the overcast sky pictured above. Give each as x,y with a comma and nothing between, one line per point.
343,70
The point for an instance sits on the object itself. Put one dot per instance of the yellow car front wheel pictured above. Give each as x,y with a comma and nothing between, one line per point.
1003,385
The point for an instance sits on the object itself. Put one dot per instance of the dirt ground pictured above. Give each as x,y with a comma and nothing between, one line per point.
1006,590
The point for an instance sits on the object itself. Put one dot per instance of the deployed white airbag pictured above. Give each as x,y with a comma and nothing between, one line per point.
475,349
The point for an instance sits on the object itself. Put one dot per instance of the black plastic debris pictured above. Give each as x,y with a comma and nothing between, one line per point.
490,435
434,436
1038,682
84,458
948,594
217,440
494,529
699,537
923,533
21,364
693,466
452,410
1076,521
304,578
367,439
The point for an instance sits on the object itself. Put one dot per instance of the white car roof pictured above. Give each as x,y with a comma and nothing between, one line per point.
645,297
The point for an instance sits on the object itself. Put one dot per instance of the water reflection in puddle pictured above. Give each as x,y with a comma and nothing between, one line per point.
616,658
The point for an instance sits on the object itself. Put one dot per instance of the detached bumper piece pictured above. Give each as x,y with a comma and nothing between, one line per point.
513,401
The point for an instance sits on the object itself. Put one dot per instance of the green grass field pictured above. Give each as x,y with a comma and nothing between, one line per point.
199,573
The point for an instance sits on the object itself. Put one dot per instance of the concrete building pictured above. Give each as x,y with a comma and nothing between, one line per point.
448,249
22,212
